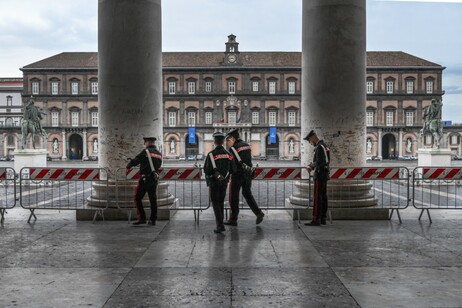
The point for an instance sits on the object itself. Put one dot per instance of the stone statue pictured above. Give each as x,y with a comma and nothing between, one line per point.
31,123
432,122
172,147
95,146
409,145
55,146
368,146
291,146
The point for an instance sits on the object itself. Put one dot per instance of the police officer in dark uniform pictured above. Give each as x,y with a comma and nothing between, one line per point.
320,166
242,178
217,168
148,179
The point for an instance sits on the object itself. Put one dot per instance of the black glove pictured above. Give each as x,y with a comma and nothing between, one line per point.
217,175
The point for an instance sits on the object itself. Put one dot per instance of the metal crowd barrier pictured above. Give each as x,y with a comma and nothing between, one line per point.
436,188
7,191
183,186
370,187
62,189
271,187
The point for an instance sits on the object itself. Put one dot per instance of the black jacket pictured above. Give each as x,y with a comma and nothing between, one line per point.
245,153
223,161
321,161
142,160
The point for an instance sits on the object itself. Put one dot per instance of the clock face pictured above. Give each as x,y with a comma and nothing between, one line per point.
232,58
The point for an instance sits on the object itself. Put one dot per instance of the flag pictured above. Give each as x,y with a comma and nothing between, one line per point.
222,120
239,120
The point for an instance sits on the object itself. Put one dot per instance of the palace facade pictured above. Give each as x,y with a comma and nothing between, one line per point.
259,92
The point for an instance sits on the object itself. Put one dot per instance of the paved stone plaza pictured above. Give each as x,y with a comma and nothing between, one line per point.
58,262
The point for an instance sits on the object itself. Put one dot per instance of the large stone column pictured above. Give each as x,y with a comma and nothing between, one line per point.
130,91
130,78
334,91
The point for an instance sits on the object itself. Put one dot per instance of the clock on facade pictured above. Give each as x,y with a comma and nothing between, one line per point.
232,58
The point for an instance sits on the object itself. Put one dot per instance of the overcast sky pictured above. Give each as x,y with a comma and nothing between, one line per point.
32,30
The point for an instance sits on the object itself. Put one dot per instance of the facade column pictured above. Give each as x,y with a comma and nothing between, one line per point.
379,142
64,156
262,144
400,143
85,143
334,93
130,79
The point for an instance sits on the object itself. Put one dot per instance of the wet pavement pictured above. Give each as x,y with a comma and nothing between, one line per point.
58,262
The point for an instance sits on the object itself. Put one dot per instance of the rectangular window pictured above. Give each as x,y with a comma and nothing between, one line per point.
409,87
94,118
255,117
191,118
454,139
54,88
389,87
171,87
231,87
35,87
272,118
389,118
55,118
208,117
75,88
172,119
75,118
208,86
370,118
272,87
255,86
9,101
291,87
191,87
429,86
370,87
409,118
232,117
291,118
94,87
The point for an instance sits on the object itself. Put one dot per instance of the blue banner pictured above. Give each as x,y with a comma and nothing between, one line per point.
192,135
446,123
272,135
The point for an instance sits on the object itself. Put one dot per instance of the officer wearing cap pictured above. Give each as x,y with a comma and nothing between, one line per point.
148,179
242,178
320,166
217,168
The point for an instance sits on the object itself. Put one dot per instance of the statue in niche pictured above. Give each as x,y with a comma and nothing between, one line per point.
172,147
409,145
95,146
291,146
55,146
368,146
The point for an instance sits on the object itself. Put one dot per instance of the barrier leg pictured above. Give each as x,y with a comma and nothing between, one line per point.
399,216
195,217
100,213
428,213
2,213
31,215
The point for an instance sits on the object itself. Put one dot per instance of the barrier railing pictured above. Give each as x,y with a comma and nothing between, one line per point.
436,188
7,191
373,187
271,188
62,189
183,186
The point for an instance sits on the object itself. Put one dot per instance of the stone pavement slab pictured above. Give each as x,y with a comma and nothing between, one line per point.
59,262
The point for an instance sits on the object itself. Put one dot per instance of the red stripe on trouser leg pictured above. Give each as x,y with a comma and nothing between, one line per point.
316,200
138,213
